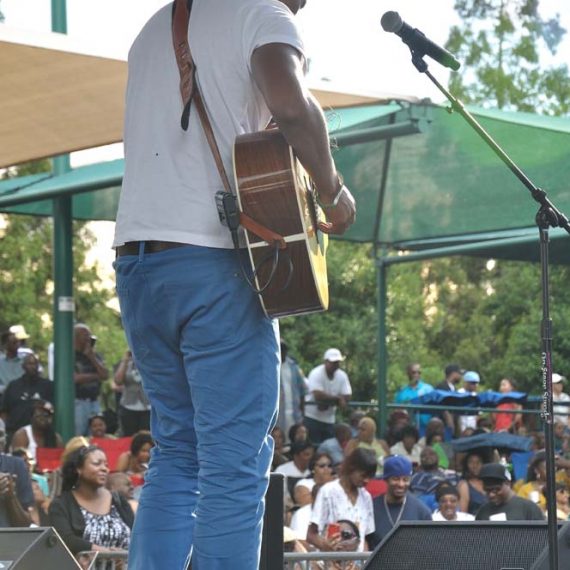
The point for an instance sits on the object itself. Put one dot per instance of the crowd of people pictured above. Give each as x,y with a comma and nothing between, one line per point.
342,471
87,488
344,487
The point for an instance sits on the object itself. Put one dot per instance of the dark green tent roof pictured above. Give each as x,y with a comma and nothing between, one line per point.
438,188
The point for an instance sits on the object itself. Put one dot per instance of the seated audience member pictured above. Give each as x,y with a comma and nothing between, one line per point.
447,499
354,422
135,462
40,479
397,421
505,421
408,446
279,456
297,432
503,504
536,480
336,445
39,512
97,427
322,472
134,407
16,495
397,504
87,515
367,439
561,411
55,477
470,487
301,518
562,506
429,477
120,483
561,437
344,498
297,468
20,395
40,433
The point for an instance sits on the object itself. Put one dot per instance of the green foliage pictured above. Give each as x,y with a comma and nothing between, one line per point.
499,44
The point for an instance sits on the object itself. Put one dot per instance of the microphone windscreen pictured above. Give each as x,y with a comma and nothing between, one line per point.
391,22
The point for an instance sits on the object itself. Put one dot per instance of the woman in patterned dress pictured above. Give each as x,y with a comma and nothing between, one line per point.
88,516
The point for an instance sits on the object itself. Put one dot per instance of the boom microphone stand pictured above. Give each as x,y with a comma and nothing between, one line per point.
547,216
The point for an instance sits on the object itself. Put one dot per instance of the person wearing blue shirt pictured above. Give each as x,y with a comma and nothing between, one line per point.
416,388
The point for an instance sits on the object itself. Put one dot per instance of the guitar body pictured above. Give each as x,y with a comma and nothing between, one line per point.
274,189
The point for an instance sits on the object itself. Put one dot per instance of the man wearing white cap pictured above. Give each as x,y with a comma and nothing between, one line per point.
560,412
329,387
471,381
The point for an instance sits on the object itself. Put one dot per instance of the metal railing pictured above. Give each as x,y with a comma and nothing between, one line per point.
293,560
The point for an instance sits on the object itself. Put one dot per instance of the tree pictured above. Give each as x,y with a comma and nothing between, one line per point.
499,42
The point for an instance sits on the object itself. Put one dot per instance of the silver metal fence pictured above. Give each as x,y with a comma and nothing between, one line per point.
293,560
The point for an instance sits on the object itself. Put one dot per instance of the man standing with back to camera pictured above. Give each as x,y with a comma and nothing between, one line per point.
208,356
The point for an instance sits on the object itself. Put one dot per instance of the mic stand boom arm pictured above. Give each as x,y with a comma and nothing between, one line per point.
547,216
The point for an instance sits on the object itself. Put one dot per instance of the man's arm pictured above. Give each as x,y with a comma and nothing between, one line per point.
101,373
17,515
278,72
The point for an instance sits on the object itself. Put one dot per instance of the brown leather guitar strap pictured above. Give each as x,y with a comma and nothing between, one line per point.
191,93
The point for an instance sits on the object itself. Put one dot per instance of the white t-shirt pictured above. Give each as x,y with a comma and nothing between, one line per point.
332,504
170,177
437,516
318,380
563,397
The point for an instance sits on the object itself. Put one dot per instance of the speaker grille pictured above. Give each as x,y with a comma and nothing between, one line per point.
472,546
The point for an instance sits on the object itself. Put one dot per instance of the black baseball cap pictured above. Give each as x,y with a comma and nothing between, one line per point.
496,471
450,368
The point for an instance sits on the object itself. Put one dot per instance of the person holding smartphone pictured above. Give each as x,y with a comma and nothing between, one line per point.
344,499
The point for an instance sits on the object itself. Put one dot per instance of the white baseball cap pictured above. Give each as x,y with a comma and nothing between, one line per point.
557,378
333,355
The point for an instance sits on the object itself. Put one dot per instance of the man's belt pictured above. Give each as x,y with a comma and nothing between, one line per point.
133,247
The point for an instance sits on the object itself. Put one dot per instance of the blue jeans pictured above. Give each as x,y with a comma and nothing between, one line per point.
209,360
84,409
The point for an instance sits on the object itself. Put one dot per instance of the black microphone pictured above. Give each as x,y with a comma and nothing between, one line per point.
416,40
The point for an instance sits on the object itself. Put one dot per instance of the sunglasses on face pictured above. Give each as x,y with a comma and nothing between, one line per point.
347,535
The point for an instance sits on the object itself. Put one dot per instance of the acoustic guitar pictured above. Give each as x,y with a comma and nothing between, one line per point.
274,189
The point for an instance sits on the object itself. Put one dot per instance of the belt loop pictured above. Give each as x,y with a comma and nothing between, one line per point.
141,250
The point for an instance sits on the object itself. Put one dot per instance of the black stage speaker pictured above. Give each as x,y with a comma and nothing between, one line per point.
543,562
34,549
272,538
477,545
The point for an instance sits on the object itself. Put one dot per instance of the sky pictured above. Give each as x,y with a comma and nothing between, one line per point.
344,41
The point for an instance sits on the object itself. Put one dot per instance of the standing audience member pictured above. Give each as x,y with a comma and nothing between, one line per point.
40,432
397,504
561,412
292,390
415,388
471,380
447,499
470,487
10,362
87,515
453,375
134,407
22,336
16,495
409,446
345,499
329,388
89,372
336,445
367,439
507,421
21,393
503,504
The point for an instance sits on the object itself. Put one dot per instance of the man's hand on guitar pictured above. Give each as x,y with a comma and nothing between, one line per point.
341,216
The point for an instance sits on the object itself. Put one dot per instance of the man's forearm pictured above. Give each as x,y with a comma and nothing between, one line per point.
17,515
